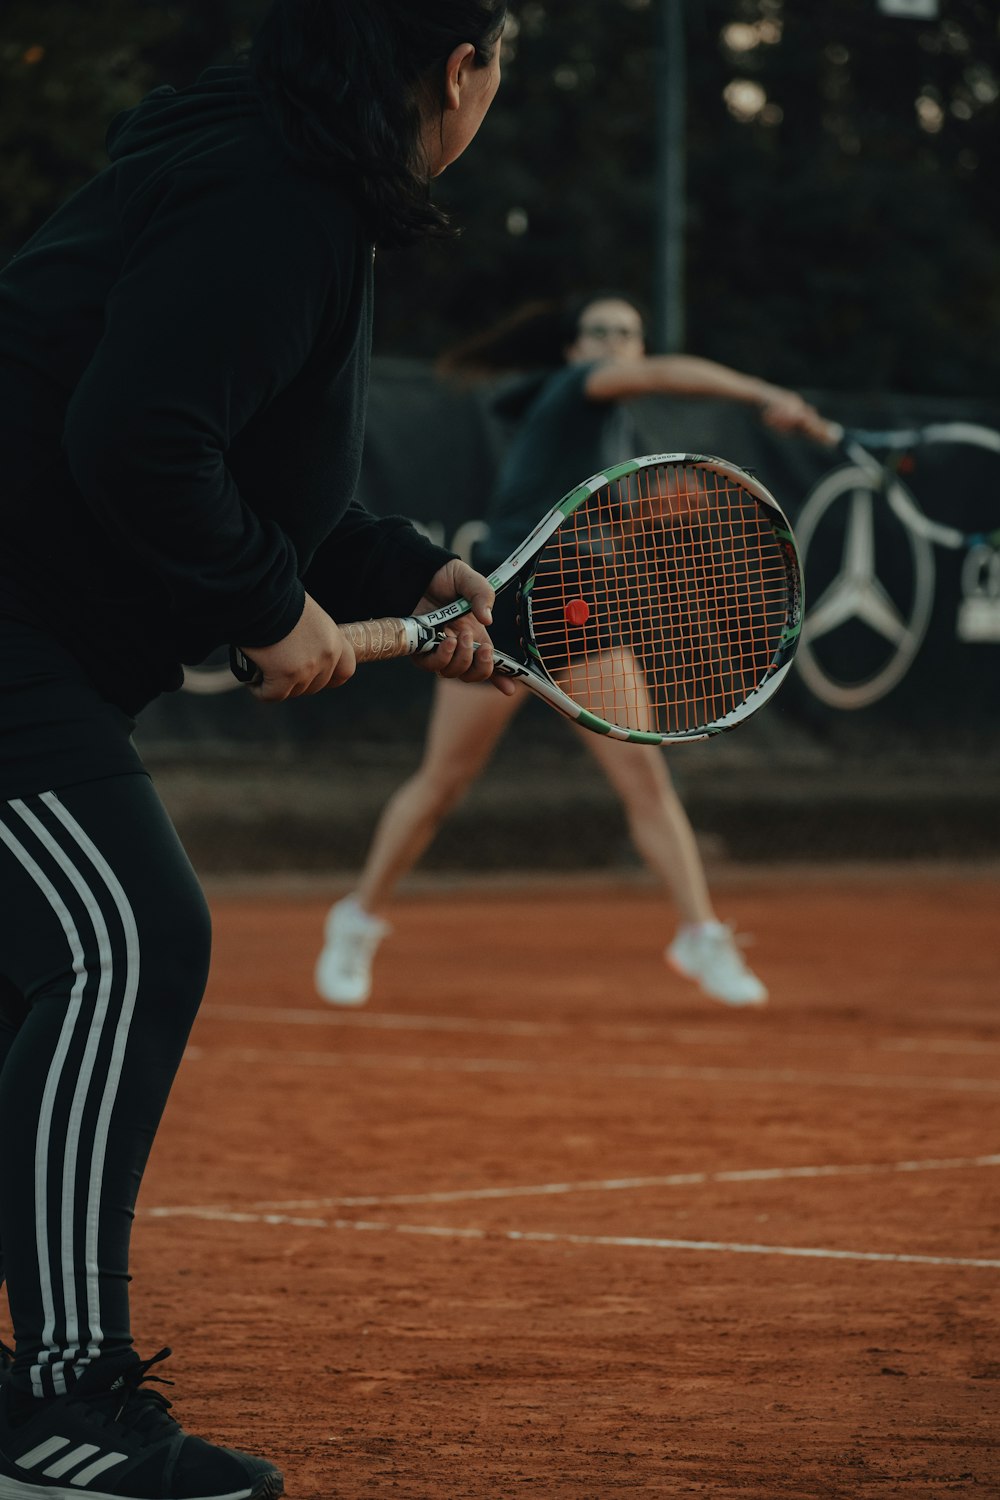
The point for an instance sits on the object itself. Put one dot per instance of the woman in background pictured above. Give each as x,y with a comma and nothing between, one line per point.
592,352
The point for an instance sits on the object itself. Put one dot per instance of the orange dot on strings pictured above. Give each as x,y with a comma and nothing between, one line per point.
577,611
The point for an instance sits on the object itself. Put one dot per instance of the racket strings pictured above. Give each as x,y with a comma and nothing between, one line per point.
661,602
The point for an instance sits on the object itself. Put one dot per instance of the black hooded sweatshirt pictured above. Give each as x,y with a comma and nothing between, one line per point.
184,354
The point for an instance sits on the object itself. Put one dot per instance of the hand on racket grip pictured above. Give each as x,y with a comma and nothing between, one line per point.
313,656
466,651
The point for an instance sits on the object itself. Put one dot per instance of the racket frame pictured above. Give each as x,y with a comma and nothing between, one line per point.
856,443
535,674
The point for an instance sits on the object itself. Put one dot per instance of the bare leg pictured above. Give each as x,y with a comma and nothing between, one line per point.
610,685
658,824
703,949
466,722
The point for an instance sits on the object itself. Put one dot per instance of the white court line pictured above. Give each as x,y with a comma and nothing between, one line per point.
664,1071
381,1021
937,1044
542,1237
715,1037
629,1184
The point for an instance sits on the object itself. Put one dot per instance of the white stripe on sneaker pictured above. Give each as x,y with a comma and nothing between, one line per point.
71,1460
98,1467
42,1452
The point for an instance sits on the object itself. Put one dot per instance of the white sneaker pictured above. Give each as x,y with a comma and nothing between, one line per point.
707,953
344,968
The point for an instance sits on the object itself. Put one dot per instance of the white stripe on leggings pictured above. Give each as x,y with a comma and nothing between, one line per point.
46,1110
98,1025
84,1079
119,1044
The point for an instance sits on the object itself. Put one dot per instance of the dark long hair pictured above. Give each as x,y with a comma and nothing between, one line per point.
533,337
348,79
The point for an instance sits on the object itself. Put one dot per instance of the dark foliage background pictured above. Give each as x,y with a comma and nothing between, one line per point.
842,166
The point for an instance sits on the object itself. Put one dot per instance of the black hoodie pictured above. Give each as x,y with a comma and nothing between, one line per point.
184,353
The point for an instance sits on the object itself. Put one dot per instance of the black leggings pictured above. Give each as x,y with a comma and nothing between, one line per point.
103,960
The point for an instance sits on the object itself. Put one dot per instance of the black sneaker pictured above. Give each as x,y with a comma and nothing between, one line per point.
112,1439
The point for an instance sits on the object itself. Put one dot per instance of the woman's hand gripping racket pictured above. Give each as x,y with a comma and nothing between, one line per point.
659,601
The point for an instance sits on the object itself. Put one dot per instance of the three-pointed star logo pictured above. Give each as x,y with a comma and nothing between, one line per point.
857,594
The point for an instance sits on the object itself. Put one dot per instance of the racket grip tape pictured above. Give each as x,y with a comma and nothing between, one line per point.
382,640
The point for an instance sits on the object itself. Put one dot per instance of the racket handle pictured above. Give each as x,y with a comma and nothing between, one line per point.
242,668
381,640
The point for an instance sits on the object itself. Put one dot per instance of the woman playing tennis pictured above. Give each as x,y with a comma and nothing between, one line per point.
184,353
591,353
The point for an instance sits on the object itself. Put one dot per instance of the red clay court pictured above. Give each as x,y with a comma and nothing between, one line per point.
538,1221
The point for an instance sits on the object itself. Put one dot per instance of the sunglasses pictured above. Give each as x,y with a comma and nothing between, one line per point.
608,331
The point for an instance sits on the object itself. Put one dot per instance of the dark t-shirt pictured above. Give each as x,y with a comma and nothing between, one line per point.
562,440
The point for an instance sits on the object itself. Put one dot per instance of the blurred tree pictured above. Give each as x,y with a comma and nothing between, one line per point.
852,233
843,223
67,69
63,74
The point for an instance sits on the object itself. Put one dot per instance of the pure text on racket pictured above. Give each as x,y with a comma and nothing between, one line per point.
659,601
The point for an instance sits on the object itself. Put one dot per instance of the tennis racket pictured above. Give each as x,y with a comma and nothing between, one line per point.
659,601
930,452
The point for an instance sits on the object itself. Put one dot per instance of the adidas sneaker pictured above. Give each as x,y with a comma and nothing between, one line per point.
111,1438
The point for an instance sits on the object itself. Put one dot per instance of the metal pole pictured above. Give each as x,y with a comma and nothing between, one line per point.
668,317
